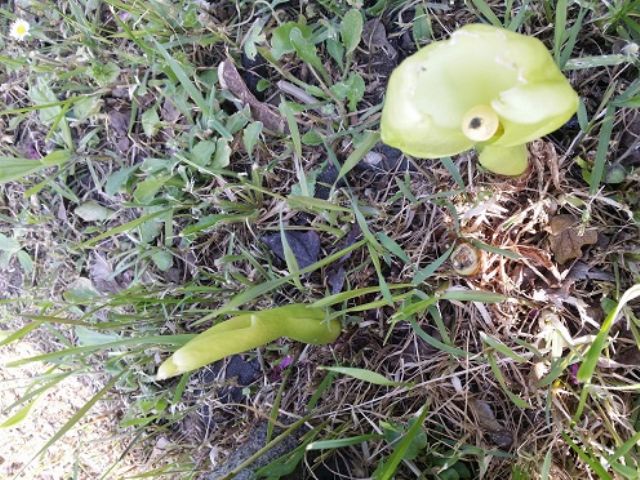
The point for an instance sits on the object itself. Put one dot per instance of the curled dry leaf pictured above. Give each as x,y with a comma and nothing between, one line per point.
231,80
566,238
545,153
304,245
489,424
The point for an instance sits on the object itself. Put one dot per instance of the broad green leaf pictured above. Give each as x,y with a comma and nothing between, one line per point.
451,350
163,260
597,61
192,90
473,296
351,30
422,29
546,465
280,43
306,50
105,74
117,180
486,11
290,258
25,260
351,89
41,94
8,244
604,139
151,122
498,251
251,136
92,211
149,187
424,273
390,244
222,157
202,152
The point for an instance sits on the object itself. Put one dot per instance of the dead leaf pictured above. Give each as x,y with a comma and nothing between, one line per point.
231,80
304,245
545,153
566,240
484,415
101,274
487,421
537,256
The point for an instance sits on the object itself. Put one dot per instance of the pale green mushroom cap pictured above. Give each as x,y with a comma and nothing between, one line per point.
432,97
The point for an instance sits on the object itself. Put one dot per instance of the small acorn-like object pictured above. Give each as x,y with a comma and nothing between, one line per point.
466,260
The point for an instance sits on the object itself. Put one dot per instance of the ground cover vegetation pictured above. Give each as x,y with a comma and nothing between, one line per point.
169,165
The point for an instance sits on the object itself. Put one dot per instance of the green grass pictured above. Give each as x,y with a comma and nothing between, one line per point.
136,193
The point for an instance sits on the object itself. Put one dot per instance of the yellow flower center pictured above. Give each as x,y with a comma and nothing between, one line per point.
21,30
480,123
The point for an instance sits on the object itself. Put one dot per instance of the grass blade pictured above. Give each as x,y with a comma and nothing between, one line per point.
502,348
484,8
585,457
518,402
341,442
601,152
364,375
559,31
366,143
72,421
453,171
593,354
435,343
391,464
125,227
424,273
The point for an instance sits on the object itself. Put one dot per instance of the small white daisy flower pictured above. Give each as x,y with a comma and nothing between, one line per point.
19,29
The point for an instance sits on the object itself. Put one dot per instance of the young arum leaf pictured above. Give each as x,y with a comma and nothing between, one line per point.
248,331
513,93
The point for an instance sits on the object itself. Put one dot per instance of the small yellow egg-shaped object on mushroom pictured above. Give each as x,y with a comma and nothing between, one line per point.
485,87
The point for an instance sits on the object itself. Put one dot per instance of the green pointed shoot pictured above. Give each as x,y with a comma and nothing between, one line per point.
248,331
485,87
